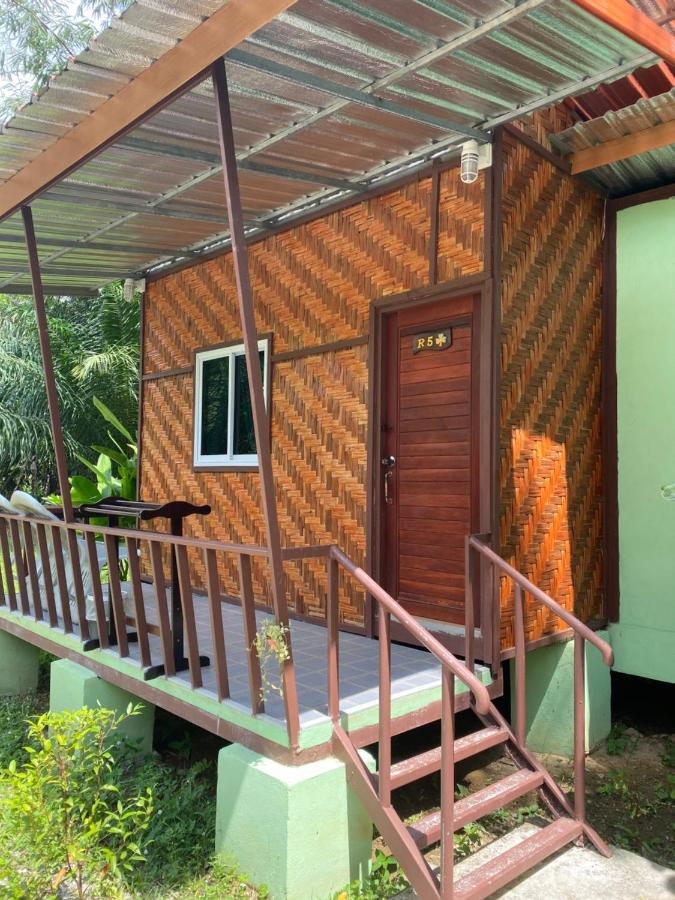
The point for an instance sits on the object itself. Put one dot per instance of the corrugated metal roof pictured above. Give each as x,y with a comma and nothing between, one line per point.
328,99
640,172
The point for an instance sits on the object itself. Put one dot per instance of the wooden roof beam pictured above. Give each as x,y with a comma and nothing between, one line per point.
173,73
634,24
623,147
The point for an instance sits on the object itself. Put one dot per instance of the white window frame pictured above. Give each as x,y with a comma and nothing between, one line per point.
229,459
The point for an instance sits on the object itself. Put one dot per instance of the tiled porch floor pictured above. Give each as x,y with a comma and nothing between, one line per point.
412,669
415,673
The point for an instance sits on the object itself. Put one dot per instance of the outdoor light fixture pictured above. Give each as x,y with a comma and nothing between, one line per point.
469,162
131,286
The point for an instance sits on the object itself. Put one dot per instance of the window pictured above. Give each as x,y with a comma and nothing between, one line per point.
224,434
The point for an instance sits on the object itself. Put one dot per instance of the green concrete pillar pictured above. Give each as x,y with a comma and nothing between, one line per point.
549,675
73,687
300,830
19,665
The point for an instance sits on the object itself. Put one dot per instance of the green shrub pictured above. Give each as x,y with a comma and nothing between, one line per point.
181,831
64,819
14,712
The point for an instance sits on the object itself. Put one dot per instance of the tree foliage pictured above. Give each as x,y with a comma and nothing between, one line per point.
38,37
95,347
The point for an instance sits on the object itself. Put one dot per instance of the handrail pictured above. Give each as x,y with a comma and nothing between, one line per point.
137,534
583,630
419,632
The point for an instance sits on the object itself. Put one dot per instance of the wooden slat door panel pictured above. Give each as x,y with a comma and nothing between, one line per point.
428,426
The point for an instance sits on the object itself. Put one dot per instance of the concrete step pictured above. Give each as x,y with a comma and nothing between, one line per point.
428,830
484,880
416,767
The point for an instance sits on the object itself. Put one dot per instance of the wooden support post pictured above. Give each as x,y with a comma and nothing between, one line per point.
47,364
260,417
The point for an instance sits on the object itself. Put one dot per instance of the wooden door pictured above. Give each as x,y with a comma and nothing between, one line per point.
427,467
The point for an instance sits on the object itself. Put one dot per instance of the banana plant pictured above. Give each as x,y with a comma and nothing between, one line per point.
115,469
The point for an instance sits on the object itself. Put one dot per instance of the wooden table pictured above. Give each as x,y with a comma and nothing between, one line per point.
174,511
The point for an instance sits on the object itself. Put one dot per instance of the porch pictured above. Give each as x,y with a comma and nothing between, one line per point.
127,639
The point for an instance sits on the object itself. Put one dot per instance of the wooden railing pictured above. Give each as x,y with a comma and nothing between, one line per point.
67,591
399,837
53,573
522,586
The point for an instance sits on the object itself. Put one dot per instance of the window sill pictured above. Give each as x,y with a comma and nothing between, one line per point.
215,468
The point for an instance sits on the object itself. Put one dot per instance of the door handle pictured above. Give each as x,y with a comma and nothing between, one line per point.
387,478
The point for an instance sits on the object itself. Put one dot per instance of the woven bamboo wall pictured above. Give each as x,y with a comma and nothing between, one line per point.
550,461
312,284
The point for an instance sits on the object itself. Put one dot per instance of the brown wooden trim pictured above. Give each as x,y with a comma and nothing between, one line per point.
171,75
47,364
466,284
378,190
635,24
139,425
560,162
489,580
665,192
317,349
372,561
435,214
622,148
261,418
167,373
610,437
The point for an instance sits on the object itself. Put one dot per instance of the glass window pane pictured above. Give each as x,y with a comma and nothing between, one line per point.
244,435
215,384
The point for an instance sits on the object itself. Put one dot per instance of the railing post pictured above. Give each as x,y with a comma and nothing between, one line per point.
47,365
384,736
447,781
468,605
519,640
333,635
259,412
579,728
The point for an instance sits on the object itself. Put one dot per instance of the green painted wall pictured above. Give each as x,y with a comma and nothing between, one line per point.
644,637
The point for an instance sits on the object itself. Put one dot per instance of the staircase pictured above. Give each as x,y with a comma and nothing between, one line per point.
408,842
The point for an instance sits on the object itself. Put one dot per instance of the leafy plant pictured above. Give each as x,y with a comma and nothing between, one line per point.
64,819
618,742
666,792
385,880
95,347
181,832
614,785
467,839
14,712
271,646
115,469
668,755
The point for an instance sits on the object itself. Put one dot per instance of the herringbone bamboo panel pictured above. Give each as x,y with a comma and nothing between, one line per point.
550,467
312,284
460,226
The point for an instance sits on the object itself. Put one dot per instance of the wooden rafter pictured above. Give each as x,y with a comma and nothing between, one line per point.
623,147
634,24
172,74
